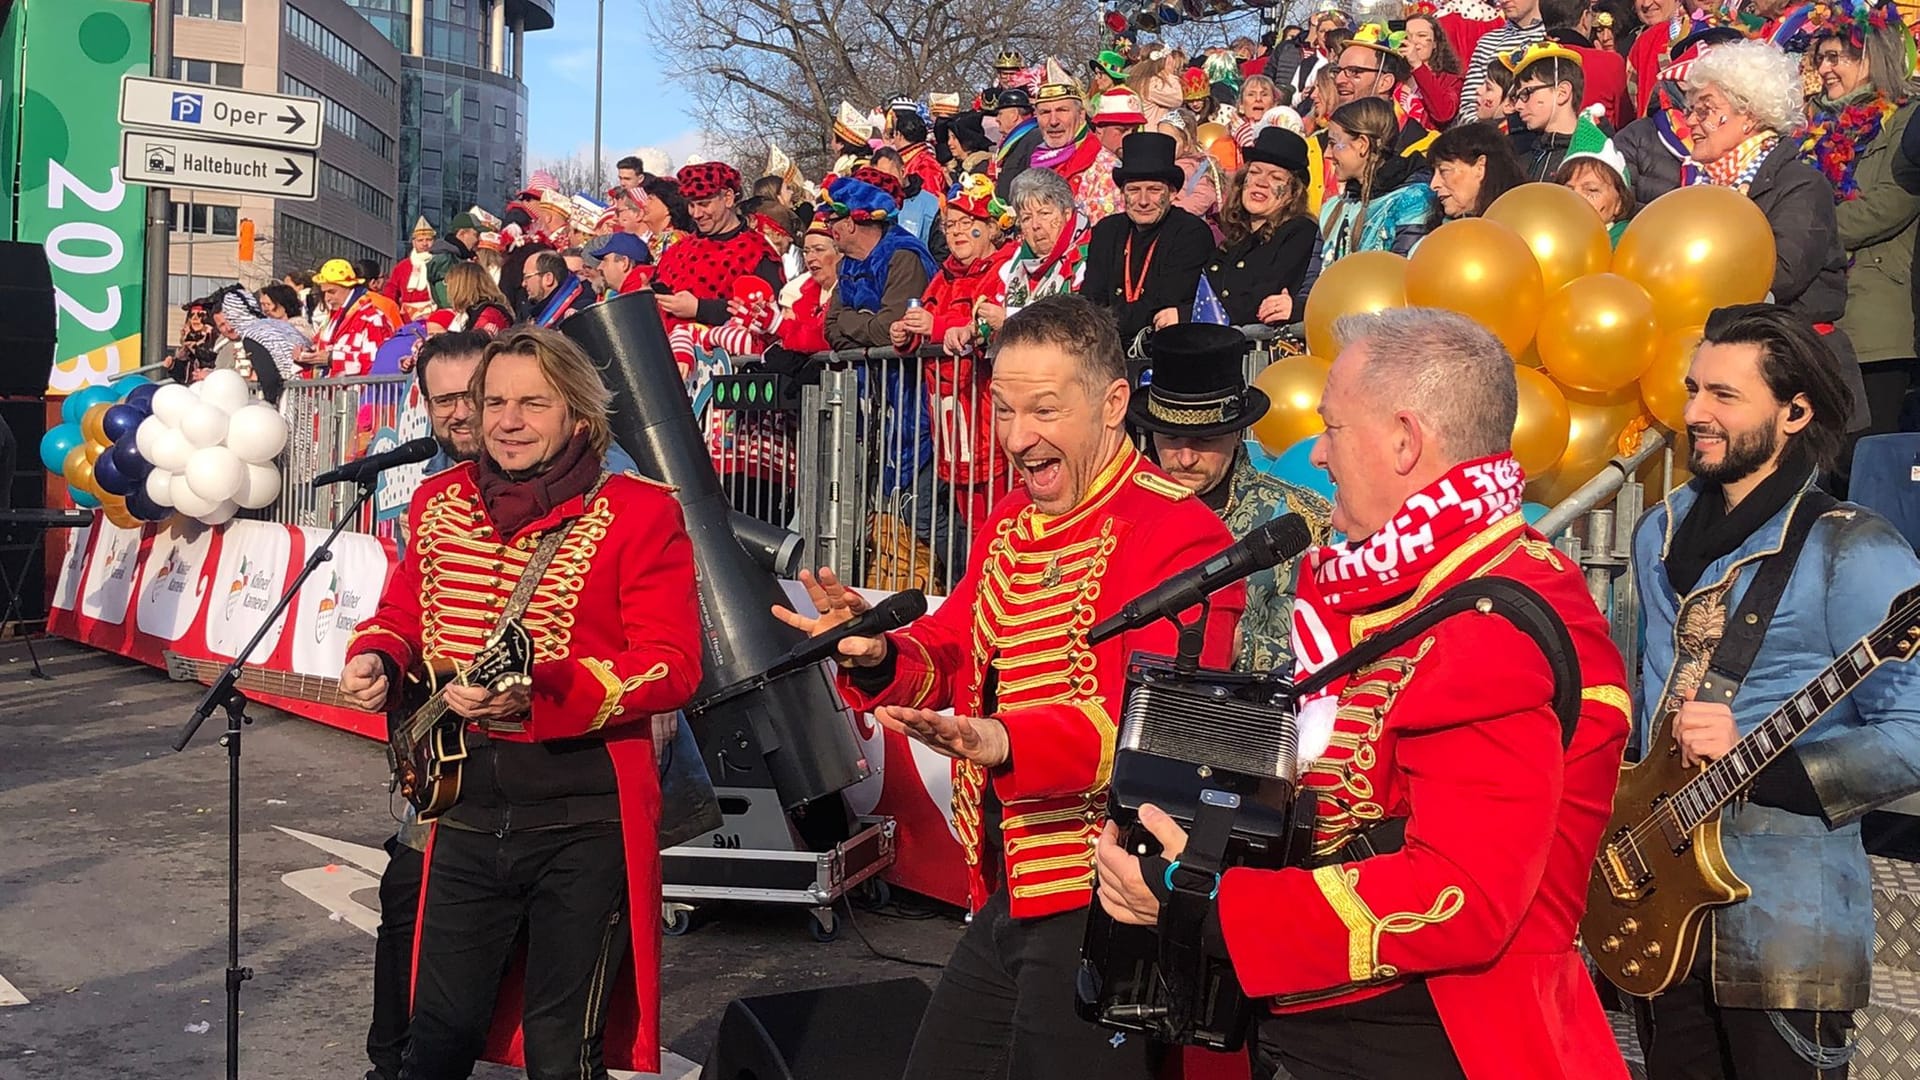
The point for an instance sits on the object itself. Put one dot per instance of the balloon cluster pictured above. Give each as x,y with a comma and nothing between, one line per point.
142,451
1602,337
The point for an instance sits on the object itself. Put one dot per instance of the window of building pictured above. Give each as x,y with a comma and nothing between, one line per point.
206,220
429,160
470,108
431,101
207,72
369,199
302,245
499,172
182,289
342,119
224,10
304,29
499,116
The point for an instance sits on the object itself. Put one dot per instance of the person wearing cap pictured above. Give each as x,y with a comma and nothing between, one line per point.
1270,235
1547,85
1020,136
1197,411
1145,264
462,238
355,328
626,263
1067,145
407,285
1116,115
697,273
882,265
919,205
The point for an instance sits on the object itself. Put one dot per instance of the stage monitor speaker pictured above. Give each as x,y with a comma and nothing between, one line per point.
861,1031
26,319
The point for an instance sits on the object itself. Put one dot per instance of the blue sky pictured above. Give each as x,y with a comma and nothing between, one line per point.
642,108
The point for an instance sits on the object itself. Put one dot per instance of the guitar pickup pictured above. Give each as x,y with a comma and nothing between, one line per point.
1627,873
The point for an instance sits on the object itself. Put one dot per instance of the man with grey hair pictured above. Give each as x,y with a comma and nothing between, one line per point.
1462,778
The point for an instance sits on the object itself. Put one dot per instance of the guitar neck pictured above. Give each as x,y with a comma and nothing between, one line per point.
1717,784
315,688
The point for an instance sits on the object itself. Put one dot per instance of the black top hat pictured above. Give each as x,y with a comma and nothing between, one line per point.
1278,146
1199,386
1148,155
1012,97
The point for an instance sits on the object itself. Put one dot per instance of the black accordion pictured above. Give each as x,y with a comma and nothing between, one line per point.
1216,750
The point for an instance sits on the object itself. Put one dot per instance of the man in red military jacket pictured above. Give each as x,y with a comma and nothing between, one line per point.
555,830
1034,706
1455,947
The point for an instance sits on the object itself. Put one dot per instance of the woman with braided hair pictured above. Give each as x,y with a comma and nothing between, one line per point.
1383,205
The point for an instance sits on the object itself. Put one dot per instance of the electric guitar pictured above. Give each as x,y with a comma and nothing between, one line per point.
317,688
1661,868
425,750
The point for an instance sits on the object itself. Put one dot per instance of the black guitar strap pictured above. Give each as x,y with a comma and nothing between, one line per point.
1747,626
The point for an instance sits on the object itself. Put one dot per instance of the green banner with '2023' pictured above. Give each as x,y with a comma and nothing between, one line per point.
64,106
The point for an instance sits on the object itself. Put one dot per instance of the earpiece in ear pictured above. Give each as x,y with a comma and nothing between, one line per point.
1795,412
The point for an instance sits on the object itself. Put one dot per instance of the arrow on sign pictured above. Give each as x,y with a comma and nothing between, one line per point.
292,119
291,172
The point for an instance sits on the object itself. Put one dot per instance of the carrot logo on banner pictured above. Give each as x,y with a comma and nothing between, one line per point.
323,611
236,587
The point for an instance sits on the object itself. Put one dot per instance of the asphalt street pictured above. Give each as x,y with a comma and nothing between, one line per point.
113,892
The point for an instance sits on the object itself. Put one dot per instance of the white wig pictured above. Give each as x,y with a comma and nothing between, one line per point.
1758,80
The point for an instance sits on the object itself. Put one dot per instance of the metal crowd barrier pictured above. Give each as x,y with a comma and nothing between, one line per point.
330,421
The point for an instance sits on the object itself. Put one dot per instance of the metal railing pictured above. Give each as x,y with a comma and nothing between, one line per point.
330,421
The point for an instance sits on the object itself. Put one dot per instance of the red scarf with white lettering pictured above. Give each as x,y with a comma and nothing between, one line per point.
1358,576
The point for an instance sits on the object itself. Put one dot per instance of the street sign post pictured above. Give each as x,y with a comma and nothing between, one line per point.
215,112
175,162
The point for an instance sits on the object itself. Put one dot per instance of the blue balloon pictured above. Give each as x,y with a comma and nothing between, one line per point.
126,457
144,508
77,404
110,478
141,397
57,443
82,499
127,384
1534,511
1296,467
120,421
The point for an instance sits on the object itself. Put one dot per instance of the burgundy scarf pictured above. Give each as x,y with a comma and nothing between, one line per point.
515,504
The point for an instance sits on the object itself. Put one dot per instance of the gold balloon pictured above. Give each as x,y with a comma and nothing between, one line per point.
1597,333
1563,229
1663,386
91,423
1481,269
115,508
1540,427
1594,424
1364,282
1206,133
93,450
1294,384
1695,249
78,469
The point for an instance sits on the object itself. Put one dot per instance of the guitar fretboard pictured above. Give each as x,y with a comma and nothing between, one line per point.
315,688
1718,783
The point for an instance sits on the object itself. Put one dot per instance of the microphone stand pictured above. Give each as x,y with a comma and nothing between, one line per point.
224,695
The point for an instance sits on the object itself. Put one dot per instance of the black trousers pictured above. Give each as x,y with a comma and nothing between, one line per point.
1687,1037
1396,1034
566,889
393,959
1004,1008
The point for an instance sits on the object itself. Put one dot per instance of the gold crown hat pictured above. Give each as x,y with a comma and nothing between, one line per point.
850,125
423,228
1518,59
1057,85
1009,60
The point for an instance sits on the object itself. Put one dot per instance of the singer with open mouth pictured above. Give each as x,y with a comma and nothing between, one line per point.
1034,705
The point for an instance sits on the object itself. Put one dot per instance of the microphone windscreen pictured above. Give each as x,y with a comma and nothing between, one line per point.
1280,539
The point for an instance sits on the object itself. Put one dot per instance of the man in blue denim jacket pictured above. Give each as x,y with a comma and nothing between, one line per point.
1778,976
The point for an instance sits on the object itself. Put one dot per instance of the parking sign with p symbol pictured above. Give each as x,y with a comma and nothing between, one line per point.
186,108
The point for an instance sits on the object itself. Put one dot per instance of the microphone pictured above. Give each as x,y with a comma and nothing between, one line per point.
1269,545
366,468
891,613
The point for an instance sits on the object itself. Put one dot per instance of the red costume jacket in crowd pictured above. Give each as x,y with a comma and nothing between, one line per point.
1075,168
1010,642
806,329
921,162
707,267
354,334
415,302
1455,732
966,455
1605,72
616,639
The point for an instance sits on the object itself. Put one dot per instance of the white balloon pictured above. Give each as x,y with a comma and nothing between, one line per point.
225,389
171,402
215,473
170,450
160,487
220,514
185,501
256,433
205,424
147,435
260,488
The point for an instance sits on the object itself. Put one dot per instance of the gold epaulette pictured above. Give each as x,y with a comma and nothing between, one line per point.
1160,485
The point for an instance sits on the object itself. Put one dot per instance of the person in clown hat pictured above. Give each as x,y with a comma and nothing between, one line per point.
355,328
1116,115
407,286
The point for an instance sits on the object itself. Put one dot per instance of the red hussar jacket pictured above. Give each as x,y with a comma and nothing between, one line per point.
1010,642
921,162
1484,899
616,639
966,454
